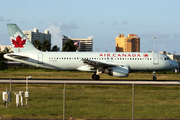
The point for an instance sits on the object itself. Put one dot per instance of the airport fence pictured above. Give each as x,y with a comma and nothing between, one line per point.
95,102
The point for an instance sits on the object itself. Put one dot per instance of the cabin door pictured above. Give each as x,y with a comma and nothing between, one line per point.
155,59
40,58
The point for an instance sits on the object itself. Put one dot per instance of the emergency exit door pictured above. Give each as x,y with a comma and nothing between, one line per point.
155,59
40,58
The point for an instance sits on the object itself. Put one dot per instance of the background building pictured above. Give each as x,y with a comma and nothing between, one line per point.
2,47
85,45
36,35
127,44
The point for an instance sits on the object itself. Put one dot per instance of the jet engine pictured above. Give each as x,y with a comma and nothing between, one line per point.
118,71
85,68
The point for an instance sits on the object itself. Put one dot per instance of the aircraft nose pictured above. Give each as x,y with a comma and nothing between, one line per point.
174,64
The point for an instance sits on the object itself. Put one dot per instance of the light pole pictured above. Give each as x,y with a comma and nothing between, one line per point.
27,93
154,43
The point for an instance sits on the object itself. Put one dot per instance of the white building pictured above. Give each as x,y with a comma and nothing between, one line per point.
85,44
36,35
2,47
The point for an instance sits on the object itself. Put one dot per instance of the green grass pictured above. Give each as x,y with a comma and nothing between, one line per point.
95,102
54,74
91,101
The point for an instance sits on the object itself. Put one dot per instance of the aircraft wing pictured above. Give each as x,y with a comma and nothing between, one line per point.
97,64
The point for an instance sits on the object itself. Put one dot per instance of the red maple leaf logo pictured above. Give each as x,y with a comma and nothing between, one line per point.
18,43
146,55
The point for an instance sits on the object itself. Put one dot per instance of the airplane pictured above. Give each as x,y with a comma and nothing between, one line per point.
117,64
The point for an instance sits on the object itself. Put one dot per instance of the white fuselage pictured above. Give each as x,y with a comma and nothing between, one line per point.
72,60
112,63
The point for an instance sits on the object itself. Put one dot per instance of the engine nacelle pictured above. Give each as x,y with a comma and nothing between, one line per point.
85,68
119,71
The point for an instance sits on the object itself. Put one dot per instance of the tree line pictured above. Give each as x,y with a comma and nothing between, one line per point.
46,46
3,63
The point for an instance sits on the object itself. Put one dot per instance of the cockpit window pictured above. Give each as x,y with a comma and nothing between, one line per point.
166,58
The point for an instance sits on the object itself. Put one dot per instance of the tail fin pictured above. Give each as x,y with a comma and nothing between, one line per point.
19,41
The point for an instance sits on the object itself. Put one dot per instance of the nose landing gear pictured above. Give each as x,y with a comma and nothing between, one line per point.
154,75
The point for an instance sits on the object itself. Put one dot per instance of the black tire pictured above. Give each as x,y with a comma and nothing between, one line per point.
154,78
93,76
96,77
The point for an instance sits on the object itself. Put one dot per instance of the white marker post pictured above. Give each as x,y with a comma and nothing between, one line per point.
26,95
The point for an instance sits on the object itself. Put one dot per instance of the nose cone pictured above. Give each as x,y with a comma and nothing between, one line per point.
174,64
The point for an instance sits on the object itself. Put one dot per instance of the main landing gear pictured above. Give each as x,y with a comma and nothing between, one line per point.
96,76
154,75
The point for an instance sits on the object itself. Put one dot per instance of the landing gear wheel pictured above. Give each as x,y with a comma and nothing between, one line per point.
154,77
95,77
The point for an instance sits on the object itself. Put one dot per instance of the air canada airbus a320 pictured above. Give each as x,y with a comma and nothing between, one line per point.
117,64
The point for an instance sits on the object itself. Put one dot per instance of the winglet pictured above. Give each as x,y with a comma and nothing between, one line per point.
19,41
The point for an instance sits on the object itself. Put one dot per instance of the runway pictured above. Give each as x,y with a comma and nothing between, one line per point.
90,82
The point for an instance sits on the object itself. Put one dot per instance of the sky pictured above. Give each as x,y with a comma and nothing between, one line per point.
102,19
